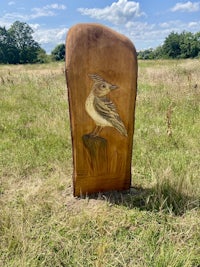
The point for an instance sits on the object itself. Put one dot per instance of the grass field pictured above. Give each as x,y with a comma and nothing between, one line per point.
156,224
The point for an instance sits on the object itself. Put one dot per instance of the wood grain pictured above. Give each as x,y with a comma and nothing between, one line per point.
97,55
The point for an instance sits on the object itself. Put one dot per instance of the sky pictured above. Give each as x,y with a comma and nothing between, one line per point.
147,23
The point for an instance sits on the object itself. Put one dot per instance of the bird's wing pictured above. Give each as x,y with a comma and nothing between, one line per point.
108,111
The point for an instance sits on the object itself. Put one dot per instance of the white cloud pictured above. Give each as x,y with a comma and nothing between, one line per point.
145,35
186,7
54,35
26,17
56,6
172,24
46,11
41,12
164,25
49,38
119,12
139,26
11,3
11,17
4,23
193,24
35,26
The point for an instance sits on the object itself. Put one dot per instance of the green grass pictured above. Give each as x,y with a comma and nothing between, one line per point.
156,224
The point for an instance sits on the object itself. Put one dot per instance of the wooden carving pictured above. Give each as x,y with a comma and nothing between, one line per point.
101,72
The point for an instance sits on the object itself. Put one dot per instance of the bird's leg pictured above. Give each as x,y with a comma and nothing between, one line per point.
96,131
93,133
99,130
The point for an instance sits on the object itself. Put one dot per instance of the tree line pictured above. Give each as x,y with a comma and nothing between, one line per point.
17,46
175,46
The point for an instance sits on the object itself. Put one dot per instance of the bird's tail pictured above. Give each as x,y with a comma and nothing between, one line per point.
121,128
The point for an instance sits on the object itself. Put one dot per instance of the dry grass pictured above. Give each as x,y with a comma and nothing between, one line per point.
157,223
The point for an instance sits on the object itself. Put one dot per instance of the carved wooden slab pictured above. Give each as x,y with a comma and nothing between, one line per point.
101,72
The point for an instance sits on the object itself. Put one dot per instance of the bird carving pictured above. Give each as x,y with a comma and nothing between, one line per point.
101,109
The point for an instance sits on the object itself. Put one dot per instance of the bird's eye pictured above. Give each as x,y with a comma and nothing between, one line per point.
103,86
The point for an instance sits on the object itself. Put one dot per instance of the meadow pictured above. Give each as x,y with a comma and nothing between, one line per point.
155,224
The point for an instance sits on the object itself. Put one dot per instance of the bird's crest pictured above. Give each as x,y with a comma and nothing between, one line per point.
96,78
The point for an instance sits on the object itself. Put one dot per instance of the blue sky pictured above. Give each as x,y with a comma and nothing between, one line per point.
145,22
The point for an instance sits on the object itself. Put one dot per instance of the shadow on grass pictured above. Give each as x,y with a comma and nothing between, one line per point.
163,198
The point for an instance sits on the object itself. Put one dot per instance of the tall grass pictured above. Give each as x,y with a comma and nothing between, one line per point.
156,223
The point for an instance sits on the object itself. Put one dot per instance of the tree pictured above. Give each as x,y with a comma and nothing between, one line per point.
59,52
27,48
18,46
146,54
42,57
197,36
8,51
158,52
171,46
3,44
189,45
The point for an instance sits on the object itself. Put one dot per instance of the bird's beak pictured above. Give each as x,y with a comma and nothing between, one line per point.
113,87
